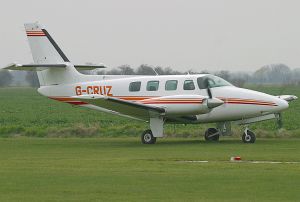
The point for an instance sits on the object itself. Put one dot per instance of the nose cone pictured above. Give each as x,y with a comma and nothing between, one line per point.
282,104
214,102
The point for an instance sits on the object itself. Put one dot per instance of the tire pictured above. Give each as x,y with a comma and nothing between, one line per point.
249,137
148,138
209,132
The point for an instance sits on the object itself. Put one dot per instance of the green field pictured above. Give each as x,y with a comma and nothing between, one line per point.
23,112
112,165
122,169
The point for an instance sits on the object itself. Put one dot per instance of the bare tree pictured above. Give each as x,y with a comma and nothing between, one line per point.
126,70
274,73
145,70
223,74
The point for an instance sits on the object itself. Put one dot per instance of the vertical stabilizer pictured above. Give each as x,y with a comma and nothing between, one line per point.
46,51
43,48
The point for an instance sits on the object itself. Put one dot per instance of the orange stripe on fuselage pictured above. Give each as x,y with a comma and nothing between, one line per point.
157,100
134,98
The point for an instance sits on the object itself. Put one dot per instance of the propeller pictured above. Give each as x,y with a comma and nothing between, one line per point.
206,84
211,102
279,120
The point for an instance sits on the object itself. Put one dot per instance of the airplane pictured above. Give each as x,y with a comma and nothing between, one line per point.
158,100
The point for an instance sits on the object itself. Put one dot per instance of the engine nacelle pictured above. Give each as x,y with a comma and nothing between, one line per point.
184,104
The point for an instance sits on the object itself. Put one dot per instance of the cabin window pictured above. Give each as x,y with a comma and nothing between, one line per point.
171,85
135,86
152,85
212,82
188,85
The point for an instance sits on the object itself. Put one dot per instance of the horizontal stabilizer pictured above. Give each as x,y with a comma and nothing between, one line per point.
41,67
33,67
89,67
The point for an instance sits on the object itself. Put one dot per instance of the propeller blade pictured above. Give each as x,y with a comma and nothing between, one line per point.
206,83
209,93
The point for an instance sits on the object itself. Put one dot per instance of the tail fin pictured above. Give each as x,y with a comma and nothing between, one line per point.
52,65
46,51
43,48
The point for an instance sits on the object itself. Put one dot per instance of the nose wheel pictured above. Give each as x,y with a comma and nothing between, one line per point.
248,136
212,134
148,138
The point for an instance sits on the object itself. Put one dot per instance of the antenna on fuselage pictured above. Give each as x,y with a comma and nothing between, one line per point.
155,71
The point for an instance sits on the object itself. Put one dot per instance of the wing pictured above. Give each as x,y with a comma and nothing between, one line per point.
131,109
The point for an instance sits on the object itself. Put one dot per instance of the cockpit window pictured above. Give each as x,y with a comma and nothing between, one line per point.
213,81
188,85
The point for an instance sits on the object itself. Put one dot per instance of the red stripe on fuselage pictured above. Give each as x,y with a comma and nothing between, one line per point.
155,100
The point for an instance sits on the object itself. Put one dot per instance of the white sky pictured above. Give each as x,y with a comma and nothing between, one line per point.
183,34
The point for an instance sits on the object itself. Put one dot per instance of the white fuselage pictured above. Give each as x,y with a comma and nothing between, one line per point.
238,104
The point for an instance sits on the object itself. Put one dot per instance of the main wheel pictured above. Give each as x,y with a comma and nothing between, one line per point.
148,138
212,134
248,137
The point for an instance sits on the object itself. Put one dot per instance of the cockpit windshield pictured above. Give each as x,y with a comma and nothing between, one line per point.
213,81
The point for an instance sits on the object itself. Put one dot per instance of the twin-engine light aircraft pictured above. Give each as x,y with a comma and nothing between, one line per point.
178,99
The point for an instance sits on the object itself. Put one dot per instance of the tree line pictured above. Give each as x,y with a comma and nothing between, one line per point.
269,74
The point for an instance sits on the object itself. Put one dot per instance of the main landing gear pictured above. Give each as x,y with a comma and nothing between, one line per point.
148,138
156,130
212,135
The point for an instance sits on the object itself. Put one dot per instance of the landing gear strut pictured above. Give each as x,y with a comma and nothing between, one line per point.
248,136
148,138
212,134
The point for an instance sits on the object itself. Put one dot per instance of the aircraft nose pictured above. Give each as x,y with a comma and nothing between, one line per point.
282,104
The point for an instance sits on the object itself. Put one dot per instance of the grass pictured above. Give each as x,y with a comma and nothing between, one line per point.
23,112
122,169
117,168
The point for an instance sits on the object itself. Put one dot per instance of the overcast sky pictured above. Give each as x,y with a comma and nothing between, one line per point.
183,34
